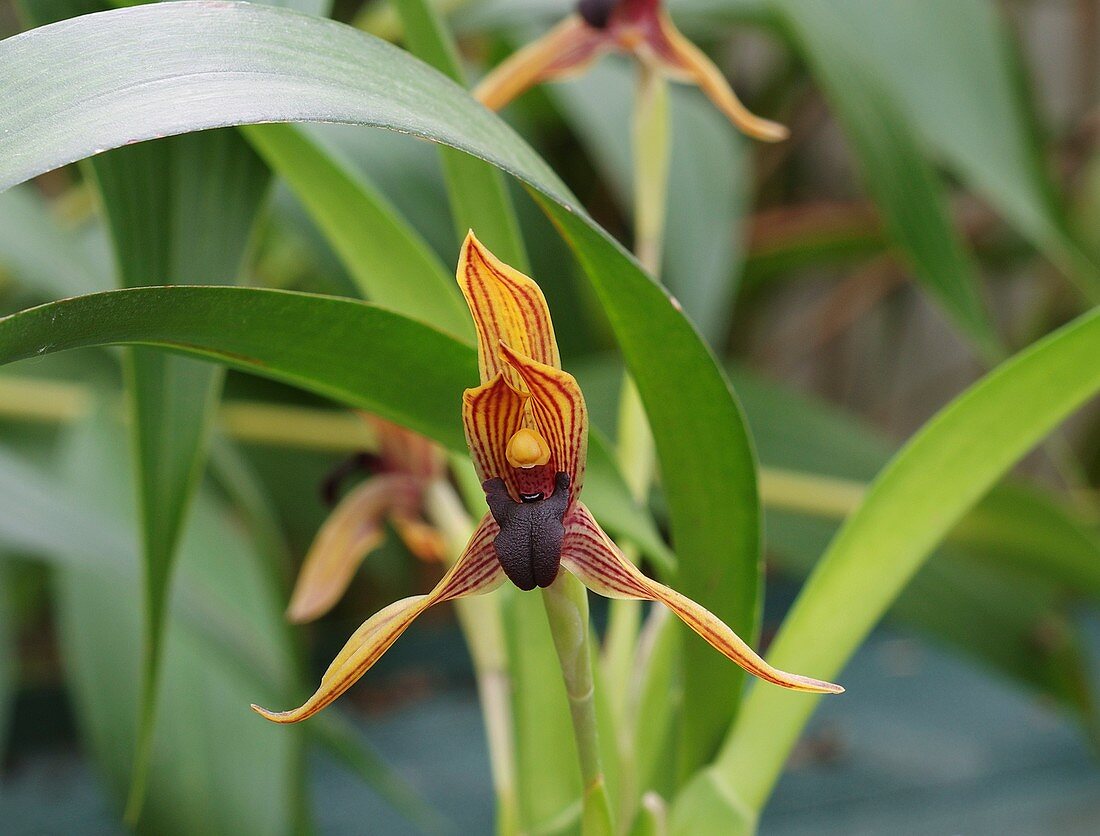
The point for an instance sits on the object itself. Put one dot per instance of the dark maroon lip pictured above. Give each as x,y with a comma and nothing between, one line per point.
529,543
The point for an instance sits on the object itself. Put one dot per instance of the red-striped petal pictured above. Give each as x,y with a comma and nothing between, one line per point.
559,412
491,414
684,61
476,572
507,307
591,555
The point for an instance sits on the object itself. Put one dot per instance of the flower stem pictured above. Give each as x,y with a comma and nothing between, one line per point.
651,167
566,602
636,453
482,625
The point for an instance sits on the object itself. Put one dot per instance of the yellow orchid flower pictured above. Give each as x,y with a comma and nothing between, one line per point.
527,429
406,464
639,27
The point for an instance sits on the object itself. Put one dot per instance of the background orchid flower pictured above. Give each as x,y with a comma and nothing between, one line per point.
405,466
639,27
527,429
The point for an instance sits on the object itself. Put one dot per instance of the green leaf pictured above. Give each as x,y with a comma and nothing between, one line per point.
39,253
390,263
707,203
997,587
943,471
184,66
953,68
478,195
711,490
295,338
179,209
896,172
305,340
196,781
61,523
950,68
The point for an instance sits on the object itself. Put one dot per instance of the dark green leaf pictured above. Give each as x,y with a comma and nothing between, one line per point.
305,340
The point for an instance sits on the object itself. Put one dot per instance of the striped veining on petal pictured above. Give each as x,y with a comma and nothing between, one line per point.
476,572
560,413
491,413
507,307
567,49
590,554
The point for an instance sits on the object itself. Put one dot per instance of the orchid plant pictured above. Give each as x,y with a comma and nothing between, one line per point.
471,441
527,429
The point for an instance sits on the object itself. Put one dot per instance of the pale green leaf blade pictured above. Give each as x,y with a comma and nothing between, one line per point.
196,781
1000,580
179,209
39,253
390,263
898,175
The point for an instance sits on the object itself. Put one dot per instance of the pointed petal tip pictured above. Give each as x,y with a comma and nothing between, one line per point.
814,686
767,131
299,612
282,717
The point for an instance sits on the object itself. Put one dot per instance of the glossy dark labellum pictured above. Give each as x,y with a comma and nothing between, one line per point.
531,532
596,13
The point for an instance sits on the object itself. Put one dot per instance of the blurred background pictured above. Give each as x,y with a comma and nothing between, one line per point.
954,138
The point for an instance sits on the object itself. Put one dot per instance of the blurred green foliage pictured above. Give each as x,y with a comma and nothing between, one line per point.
913,233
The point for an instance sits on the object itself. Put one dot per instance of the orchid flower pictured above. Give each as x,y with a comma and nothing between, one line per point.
639,27
405,466
527,429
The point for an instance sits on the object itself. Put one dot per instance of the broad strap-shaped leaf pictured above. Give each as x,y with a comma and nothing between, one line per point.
72,530
176,209
952,67
478,195
943,471
204,693
389,261
1005,571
